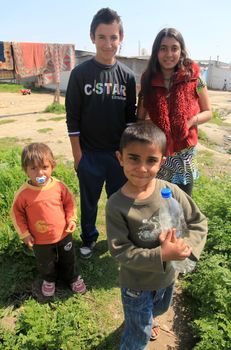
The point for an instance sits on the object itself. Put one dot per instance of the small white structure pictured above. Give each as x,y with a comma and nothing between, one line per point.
216,74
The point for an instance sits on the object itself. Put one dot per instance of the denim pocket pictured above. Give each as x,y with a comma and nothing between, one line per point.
133,298
137,301
132,293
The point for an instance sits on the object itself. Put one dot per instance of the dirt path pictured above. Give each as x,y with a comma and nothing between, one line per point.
28,123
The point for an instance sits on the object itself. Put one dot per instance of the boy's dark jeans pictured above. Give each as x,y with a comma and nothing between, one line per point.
95,169
57,260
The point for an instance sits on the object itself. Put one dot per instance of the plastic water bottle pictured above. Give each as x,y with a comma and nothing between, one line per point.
171,215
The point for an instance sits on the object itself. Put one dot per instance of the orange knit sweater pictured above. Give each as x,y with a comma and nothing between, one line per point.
43,212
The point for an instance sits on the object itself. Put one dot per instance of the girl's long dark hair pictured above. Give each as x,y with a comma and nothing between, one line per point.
153,66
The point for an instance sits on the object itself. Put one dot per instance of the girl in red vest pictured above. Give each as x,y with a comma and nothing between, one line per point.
175,98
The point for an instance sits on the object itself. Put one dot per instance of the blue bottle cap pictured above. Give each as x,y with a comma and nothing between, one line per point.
166,192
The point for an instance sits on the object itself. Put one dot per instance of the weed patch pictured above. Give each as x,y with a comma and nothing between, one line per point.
57,119
205,158
56,108
7,142
216,117
203,138
42,120
7,121
44,130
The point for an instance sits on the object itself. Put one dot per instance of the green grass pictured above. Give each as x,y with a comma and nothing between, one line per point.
57,119
8,143
94,321
6,87
44,130
7,121
11,87
205,158
56,108
42,120
216,118
203,138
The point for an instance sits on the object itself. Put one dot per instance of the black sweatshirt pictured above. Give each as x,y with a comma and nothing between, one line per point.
100,102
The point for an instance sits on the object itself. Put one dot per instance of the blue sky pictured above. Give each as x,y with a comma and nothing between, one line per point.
205,25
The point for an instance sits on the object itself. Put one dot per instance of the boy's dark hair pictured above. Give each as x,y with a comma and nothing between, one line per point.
105,16
36,153
144,132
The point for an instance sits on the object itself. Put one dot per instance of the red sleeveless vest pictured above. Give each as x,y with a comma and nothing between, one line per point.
170,109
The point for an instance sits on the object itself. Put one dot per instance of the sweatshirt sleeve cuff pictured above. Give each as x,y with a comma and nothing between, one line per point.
74,133
24,235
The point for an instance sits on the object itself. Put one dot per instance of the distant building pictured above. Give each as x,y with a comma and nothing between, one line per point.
215,73
137,64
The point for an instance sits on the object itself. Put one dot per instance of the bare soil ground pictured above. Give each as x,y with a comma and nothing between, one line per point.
22,118
28,123
25,120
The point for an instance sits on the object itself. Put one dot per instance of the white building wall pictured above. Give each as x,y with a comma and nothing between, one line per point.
216,77
64,78
137,65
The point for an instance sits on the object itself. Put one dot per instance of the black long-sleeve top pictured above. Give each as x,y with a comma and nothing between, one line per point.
100,103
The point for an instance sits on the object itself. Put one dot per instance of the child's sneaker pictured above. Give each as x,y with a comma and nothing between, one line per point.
86,249
48,288
79,286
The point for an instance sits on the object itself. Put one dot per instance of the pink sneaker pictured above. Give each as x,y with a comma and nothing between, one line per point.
48,288
79,286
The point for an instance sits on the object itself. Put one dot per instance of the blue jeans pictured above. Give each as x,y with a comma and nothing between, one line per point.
140,307
95,169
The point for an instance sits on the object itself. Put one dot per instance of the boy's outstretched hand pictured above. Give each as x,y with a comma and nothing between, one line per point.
173,248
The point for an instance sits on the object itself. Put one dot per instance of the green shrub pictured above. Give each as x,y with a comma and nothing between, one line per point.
214,333
210,286
213,196
59,325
